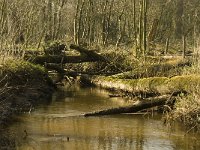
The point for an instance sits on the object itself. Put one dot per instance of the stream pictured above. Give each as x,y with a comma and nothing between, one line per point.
60,126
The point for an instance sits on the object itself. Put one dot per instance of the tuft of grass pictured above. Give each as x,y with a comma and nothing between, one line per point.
187,107
187,110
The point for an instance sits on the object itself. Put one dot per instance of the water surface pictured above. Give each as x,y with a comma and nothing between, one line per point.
59,126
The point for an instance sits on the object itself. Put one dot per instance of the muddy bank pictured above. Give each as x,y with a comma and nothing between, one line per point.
21,100
22,86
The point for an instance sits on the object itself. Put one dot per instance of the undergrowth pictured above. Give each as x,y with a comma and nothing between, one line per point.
19,72
187,110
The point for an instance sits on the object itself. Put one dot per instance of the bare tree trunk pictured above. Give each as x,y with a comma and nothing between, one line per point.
153,30
145,3
120,29
104,22
80,24
90,23
140,36
178,19
167,46
50,19
184,45
108,22
195,33
76,22
2,21
62,3
135,27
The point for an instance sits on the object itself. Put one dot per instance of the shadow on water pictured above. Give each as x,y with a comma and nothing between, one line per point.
59,126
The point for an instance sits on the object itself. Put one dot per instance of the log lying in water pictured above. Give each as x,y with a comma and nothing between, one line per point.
138,106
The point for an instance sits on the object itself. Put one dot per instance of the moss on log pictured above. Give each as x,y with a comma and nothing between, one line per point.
156,85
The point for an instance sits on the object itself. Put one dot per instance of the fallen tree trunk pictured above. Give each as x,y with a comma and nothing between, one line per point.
147,86
157,70
91,54
138,106
58,68
86,56
63,59
80,73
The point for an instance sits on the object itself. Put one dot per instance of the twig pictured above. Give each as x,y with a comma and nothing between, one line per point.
190,129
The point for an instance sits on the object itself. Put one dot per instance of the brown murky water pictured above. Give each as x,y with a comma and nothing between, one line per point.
58,126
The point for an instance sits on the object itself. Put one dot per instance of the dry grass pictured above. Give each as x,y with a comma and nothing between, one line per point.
187,110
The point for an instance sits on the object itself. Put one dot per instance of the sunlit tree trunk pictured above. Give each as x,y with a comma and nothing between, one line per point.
135,27
140,36
178,19
145,4
76,22
108,22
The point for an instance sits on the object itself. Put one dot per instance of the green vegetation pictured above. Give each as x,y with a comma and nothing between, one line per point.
157,85
21,72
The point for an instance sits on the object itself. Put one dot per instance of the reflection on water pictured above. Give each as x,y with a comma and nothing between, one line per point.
59,126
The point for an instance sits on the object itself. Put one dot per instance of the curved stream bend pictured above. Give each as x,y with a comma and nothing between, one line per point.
57,127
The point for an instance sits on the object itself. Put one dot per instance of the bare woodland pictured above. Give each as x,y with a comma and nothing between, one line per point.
138,24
